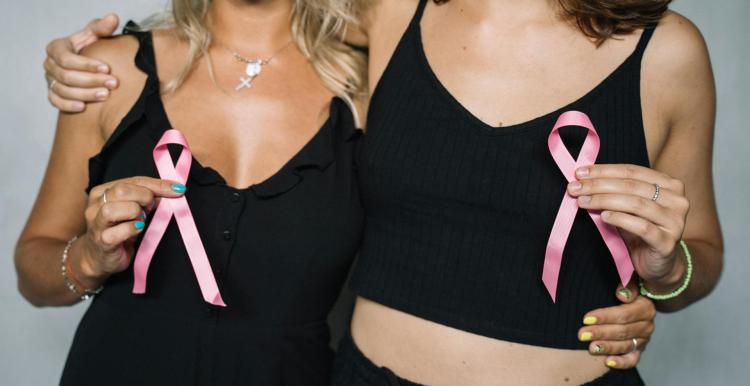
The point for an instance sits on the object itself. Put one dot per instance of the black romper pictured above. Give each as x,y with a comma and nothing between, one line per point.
280,251
459,212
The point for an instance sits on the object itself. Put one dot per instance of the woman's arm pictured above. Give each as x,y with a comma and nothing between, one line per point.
63,209
680,103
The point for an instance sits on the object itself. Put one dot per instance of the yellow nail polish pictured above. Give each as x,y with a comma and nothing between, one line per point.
611,363
586,336
589,320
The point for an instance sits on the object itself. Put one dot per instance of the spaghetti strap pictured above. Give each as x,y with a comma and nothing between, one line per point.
648,32
145,58
420,11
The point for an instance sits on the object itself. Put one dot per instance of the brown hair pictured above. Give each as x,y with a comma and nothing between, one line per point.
601,19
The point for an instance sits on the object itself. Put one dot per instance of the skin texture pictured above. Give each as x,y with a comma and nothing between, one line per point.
678,100
245,136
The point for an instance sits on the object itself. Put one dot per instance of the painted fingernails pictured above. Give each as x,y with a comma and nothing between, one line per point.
139,225
598,349
179,188
625,292
586,336
589,320
611,363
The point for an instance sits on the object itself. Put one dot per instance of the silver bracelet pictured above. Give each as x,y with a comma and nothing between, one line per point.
85,294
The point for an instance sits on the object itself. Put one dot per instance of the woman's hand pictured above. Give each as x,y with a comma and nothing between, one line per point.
115,215
611,330
73,79
651,222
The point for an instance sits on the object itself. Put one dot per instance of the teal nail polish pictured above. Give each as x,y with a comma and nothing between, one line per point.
144,216
139,225
179,188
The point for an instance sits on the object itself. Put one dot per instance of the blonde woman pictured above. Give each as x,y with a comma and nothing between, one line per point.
262,90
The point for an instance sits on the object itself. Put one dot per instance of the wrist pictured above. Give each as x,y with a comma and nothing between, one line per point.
83,265
671,281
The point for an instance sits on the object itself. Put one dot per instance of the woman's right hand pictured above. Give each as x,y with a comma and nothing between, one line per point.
115,214
73,79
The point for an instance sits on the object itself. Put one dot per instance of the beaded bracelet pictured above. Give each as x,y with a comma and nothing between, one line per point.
685,282
67,273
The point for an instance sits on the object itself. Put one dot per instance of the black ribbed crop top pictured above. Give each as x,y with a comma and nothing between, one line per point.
458,213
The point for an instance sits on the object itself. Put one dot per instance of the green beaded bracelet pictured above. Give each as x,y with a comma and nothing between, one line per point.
685,282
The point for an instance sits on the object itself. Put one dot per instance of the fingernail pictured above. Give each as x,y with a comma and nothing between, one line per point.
606,214
598,349
611,363
139,225
144,216
101,94
584,200
575,185
179,188
586,336
103,68
110,83
625,292
582,172
589,320
78,106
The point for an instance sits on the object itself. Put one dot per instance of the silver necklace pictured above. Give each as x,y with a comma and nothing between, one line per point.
253,67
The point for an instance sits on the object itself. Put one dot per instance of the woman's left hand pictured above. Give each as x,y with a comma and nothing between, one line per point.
651,220
621,332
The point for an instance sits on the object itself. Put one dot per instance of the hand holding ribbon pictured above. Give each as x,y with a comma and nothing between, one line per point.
569,206
177,207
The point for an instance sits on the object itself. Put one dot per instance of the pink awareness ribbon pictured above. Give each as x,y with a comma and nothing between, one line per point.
185,222
569,207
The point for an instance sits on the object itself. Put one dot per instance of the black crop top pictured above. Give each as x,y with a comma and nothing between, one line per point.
458,213
280,251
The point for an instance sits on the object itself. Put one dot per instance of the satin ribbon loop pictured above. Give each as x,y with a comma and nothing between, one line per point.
569,207
179,208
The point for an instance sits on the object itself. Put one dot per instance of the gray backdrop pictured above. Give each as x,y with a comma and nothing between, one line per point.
704,345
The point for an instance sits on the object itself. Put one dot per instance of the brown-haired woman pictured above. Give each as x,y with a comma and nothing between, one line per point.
461,191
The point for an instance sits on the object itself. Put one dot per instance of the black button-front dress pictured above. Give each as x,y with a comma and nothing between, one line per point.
280,251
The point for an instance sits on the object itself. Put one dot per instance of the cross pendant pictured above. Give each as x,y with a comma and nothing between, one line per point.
244,83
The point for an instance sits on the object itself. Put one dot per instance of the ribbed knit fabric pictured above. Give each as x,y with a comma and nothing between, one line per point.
459,213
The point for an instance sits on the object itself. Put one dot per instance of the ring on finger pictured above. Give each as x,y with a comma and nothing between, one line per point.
52,84
635,345
104,197
657,192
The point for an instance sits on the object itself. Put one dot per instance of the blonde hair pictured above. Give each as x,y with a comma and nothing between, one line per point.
318,29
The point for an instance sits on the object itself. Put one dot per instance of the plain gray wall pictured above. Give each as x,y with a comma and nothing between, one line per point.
704,345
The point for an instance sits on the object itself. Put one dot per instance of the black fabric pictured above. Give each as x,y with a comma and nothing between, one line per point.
353,368
280,251
459,213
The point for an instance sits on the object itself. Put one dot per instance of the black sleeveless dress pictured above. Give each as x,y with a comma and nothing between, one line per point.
459,212
280,251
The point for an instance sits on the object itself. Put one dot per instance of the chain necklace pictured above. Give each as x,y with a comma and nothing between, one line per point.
253,67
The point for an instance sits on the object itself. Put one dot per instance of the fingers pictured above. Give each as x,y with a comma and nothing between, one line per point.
120,192
633,172
627,361
616,332
627,294
661,240
617,347
77,94
116,222
114,236
105,26
635,205
639,310
638,188
63,54
65,105
157,187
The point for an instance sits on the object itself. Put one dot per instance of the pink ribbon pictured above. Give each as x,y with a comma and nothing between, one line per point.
569,207
185,222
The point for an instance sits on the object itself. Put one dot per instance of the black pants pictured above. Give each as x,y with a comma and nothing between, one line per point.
352,368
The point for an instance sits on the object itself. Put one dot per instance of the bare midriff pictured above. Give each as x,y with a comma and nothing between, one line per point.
433,354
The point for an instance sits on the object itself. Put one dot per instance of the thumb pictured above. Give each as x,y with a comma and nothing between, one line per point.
627,294
105,26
